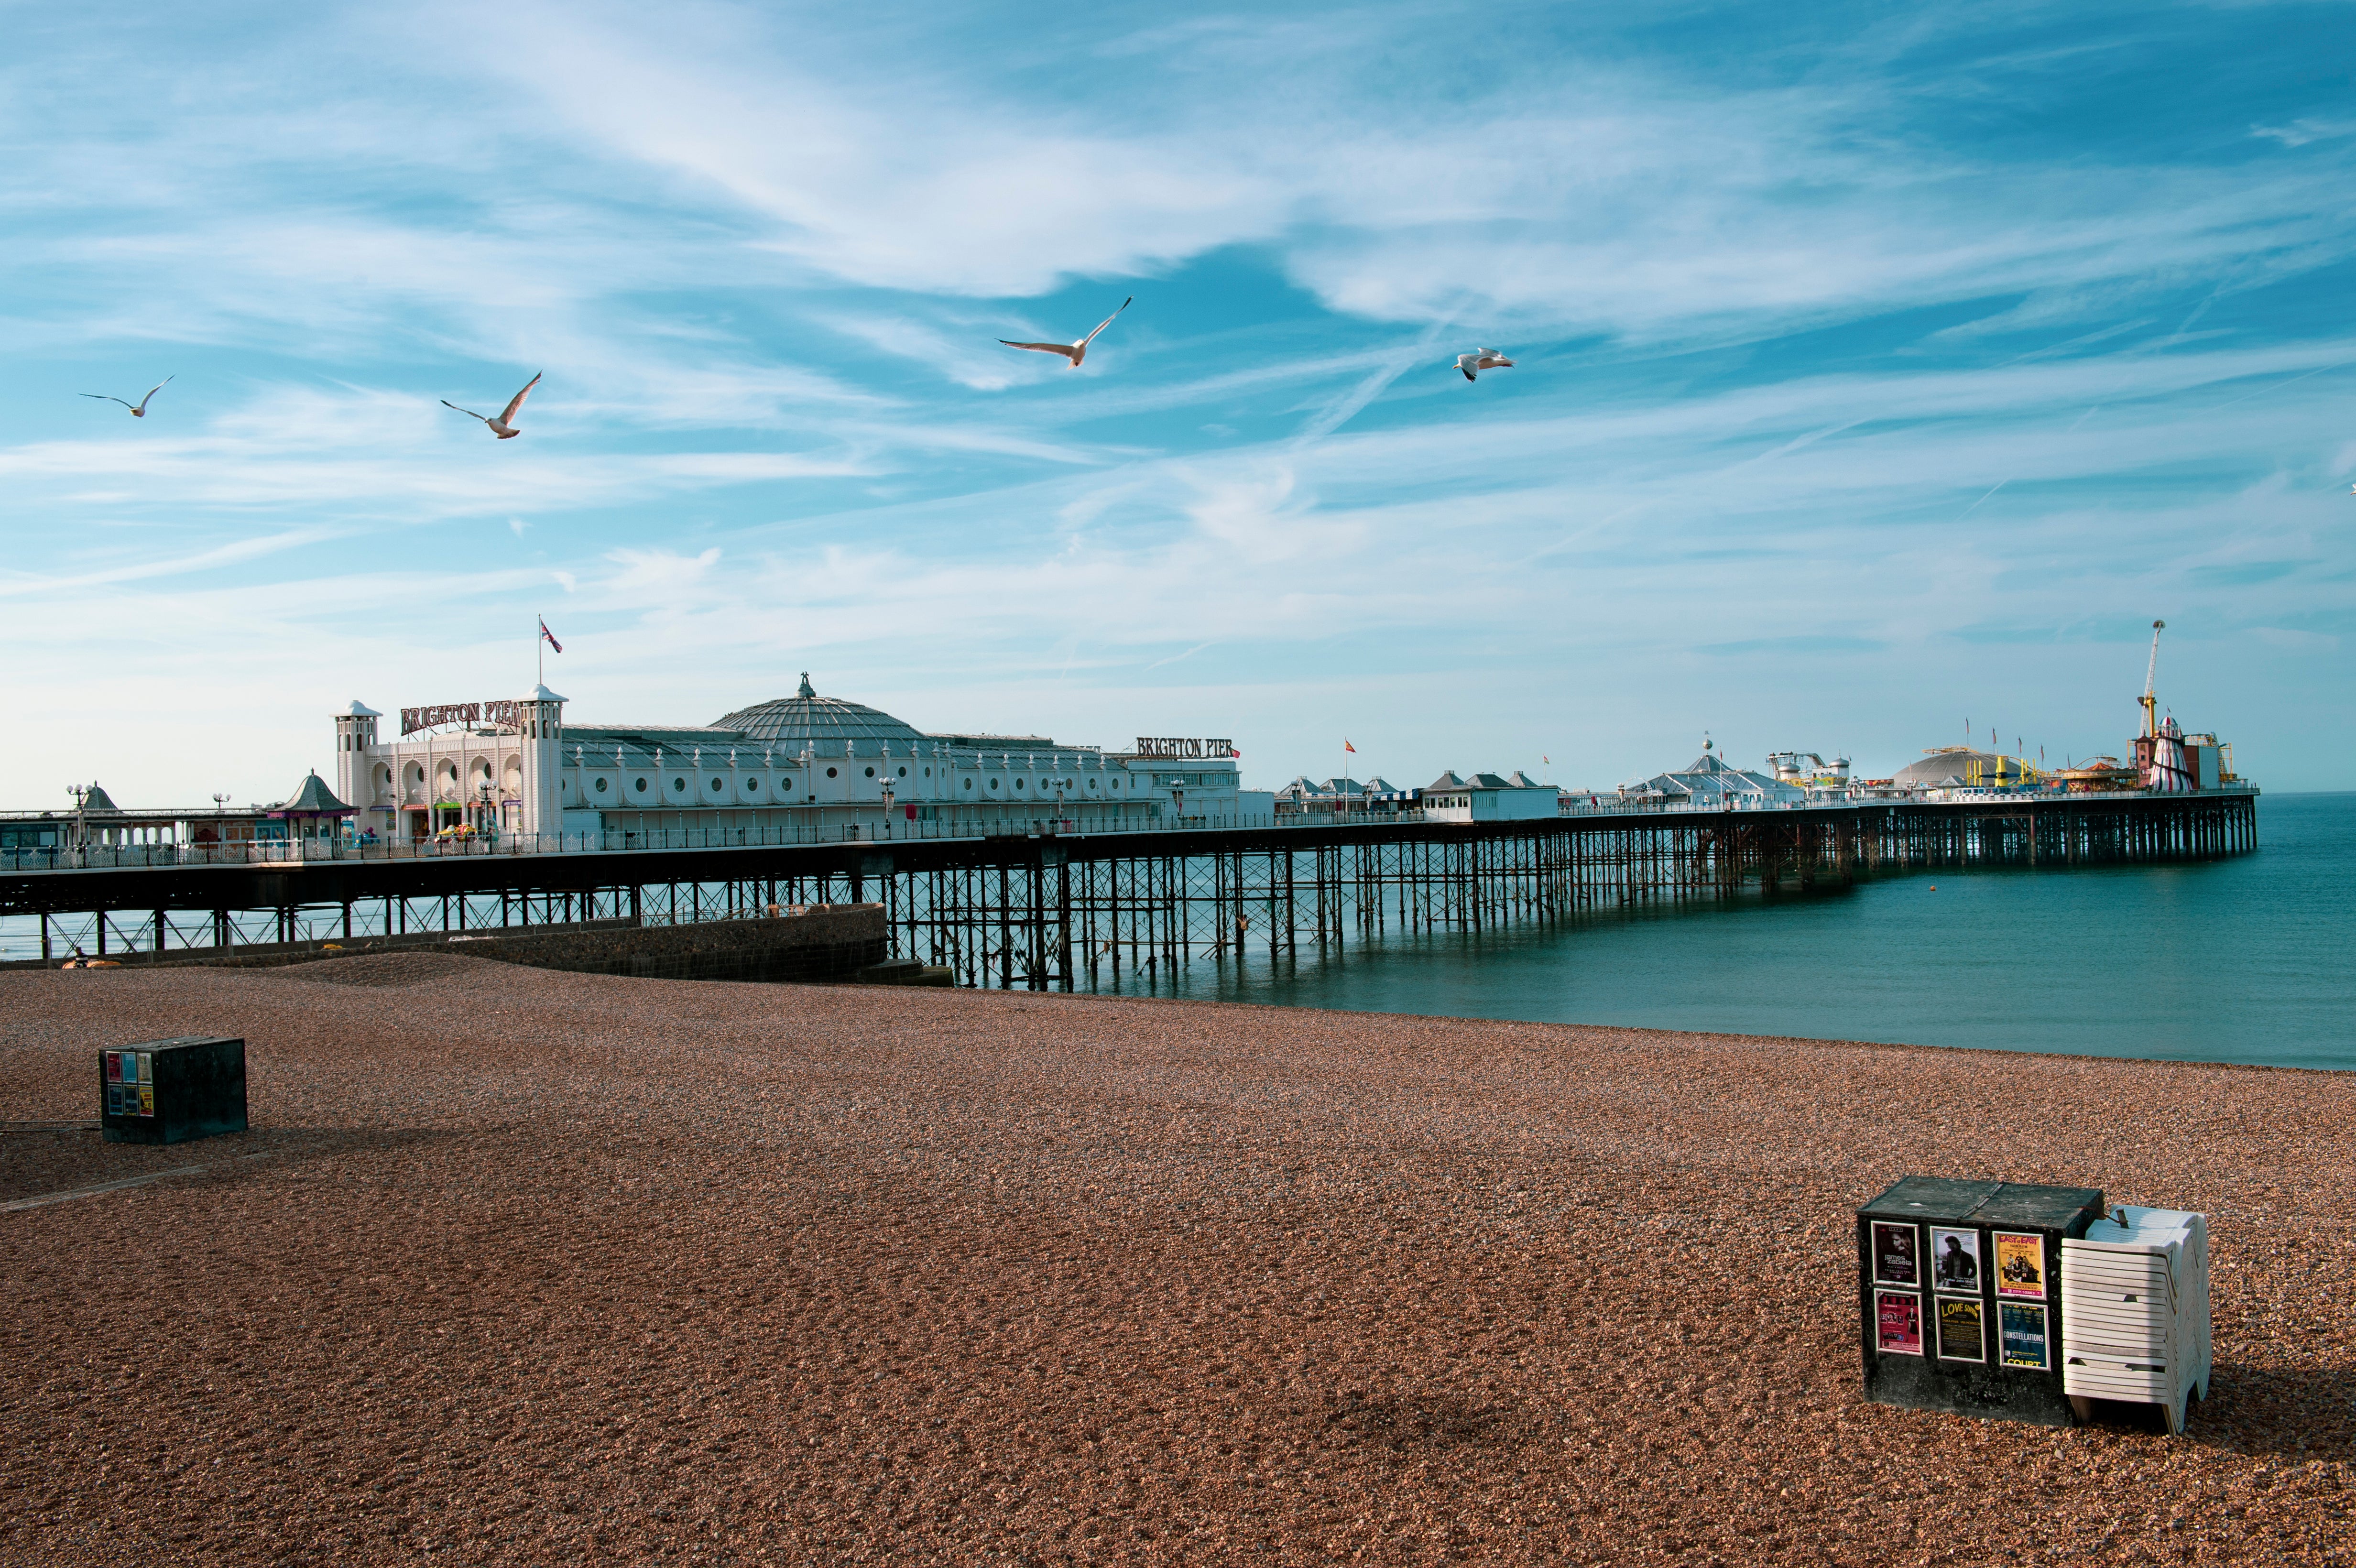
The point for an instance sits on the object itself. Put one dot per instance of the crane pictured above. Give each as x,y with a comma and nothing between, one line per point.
2151,710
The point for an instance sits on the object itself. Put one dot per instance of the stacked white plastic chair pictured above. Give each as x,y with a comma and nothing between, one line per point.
2134,1311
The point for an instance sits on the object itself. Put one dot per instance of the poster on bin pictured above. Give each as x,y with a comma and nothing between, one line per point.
1893,1255
2020,1266
1960,1337
1956,1260
1898,1322
2021,1329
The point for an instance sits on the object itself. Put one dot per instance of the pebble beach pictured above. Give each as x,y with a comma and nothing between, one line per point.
524,1267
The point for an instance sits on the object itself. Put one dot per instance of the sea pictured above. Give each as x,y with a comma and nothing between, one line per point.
2251,959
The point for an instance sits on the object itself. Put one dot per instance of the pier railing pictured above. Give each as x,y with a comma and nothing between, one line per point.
613,840
98,857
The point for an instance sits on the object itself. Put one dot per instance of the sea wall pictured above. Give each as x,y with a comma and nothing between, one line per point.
824,942
818,942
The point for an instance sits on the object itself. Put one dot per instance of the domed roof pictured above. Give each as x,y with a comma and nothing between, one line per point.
825,723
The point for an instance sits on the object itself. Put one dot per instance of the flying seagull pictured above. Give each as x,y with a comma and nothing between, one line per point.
139,409
1482,359
504,426
1075,352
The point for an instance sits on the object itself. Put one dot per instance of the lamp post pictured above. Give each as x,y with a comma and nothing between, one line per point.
484,790
887,805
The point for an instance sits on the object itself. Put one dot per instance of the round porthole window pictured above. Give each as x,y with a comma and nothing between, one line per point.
1116,784
715,787
601,786
968,783
642,786
786,785
993,783
903,773
1018,784
870,772
679,787
751,786
829,772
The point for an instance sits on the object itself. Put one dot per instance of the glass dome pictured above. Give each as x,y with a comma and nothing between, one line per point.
826,724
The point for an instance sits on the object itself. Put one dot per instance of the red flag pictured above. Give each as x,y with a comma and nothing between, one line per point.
1345,744
550,636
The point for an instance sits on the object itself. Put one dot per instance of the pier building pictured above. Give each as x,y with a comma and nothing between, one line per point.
1343,796
798,762
1488,797
1709,780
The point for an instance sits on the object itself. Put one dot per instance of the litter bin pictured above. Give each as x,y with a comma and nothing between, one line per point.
169,1091
1959,1294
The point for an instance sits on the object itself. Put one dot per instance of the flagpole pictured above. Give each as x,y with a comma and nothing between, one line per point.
539,647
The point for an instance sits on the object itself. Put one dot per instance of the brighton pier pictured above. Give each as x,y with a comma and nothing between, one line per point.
1039,906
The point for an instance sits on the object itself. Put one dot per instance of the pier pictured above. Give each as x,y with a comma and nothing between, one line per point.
1043,910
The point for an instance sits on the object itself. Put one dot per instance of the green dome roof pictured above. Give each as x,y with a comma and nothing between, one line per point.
826,724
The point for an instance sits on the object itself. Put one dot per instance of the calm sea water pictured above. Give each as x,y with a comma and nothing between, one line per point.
2250,960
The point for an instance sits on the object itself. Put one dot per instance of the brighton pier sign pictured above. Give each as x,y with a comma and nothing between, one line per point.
1183,748
501,715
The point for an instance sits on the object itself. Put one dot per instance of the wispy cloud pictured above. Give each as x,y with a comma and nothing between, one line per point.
1813,339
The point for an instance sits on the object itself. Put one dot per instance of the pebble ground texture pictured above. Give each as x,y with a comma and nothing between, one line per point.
520,1266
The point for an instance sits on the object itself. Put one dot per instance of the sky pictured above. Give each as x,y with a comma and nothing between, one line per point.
1878,371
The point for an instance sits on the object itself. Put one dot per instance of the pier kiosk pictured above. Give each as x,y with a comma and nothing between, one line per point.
1960,1302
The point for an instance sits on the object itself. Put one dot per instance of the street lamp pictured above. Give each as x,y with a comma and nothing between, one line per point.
888,803
484,790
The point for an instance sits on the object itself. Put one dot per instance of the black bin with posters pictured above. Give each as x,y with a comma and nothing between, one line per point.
168,1091
1959,1294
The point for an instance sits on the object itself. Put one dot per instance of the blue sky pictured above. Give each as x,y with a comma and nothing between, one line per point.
1878,369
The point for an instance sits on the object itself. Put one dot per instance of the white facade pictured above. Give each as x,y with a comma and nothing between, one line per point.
1486,797
798,762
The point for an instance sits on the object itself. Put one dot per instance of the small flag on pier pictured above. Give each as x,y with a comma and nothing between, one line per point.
1345,744
550,636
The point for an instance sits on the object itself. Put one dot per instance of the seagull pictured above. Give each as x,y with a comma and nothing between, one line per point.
139,409
504,426
1482,359
1075,352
